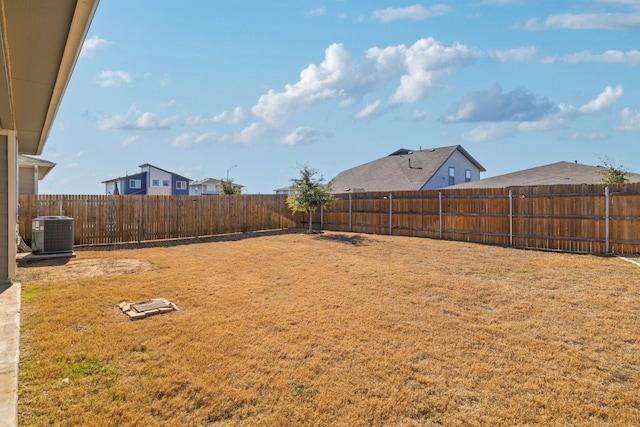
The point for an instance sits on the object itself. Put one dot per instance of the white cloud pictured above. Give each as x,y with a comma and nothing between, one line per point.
224,117
92,45
415,12
521,54
496,106
129,141
610,56
418,116
72,165
187,140
246,135
339,77
588,136
368,110
321,11
425,61
113,78
630,120
587,21
134,121
317,83
149,121
606,99
556,117
302,135
501,2
624,2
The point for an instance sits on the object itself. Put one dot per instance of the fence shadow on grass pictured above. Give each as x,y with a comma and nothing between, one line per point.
233,237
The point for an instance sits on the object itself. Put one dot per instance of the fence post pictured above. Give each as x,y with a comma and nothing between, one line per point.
606,219
140,222
350,228
390,212
510,218
440,212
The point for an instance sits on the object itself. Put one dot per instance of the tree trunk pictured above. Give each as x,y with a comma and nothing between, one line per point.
310,220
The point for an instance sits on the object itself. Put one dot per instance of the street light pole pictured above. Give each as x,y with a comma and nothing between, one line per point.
234,166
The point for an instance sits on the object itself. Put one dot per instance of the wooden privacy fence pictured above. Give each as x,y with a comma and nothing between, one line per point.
119,219
595,219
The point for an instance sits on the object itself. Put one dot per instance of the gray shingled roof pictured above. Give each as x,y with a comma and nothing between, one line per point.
553,174
207,181
392,172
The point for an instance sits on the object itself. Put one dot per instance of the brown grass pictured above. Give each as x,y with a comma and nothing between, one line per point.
334,329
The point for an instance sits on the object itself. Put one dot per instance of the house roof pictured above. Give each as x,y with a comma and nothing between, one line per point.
39,44
206,181
289,188
44,166
142,166
552,174
401,170
120,178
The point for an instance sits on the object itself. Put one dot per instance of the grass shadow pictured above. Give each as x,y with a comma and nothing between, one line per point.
348,239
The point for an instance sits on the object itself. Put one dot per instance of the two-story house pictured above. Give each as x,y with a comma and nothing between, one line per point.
411,170
207,187
151,180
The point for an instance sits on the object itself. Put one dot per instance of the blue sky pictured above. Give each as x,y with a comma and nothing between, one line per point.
258,89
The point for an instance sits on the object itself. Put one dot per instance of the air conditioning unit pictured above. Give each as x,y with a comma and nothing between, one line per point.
52,234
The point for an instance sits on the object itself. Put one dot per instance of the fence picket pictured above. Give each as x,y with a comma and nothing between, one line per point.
572,218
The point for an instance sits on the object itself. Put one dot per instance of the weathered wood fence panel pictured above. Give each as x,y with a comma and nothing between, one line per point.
572,218
118,219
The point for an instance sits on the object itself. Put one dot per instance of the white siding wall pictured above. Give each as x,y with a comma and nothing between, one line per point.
460,163
155,174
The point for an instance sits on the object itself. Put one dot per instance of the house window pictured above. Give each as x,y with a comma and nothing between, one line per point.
181,185
210,188
452,175
135,183
155,183
467,175
165,183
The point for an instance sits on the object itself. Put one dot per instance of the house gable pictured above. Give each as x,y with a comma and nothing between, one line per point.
207,186
408,170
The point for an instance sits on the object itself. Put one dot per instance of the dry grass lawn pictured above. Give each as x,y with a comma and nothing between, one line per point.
332,330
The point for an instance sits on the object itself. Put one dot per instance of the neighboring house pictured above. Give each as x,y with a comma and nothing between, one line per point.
560,173
207,186
411,170
30,171
285,190
151,180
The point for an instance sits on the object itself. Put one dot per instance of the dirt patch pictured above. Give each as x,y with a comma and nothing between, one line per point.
73,269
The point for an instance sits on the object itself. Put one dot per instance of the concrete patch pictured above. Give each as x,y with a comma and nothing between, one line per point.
9,352
141,310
